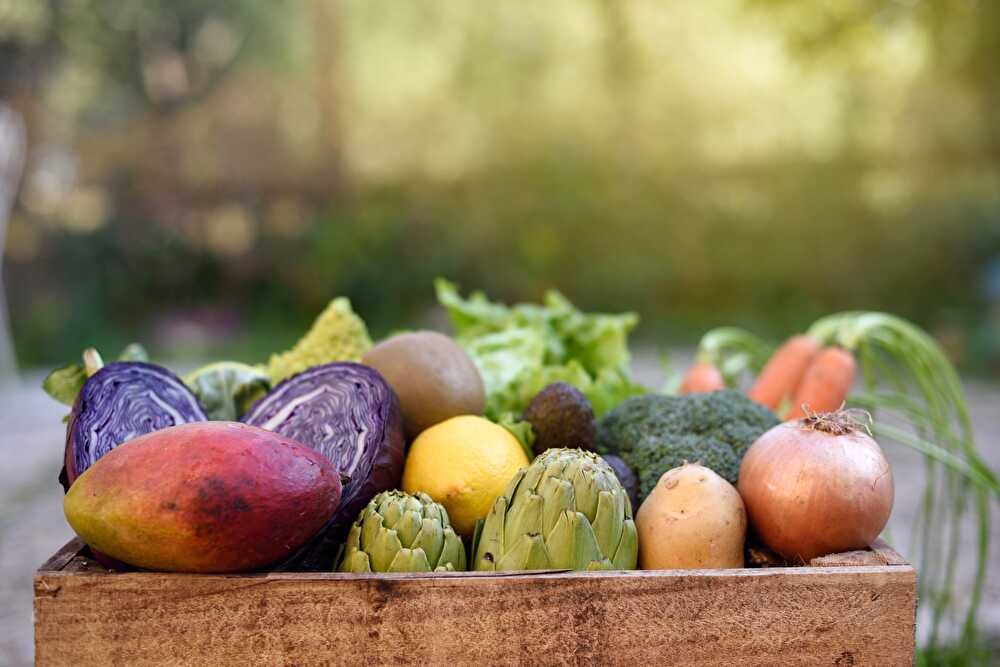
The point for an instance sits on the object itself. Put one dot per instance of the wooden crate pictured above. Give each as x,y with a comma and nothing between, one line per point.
849,609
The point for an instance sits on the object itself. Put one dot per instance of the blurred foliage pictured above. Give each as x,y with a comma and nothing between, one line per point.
985,654
206,175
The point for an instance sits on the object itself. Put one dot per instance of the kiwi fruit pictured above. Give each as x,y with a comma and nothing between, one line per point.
434,378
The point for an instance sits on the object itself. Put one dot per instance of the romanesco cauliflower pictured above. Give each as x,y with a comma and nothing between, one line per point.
338,334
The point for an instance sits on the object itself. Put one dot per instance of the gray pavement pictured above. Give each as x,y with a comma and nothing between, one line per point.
32,526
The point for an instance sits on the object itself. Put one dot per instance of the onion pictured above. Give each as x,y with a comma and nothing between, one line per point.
817,486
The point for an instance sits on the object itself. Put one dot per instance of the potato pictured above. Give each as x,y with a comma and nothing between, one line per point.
691,519
434,378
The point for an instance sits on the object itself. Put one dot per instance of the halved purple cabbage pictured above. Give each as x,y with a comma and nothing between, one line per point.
347,412
123,400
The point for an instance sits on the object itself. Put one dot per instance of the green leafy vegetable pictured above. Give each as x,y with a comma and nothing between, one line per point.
227,389
519,349
521,430
65,382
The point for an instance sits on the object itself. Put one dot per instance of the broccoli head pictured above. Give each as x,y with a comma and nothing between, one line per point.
654,433
336,335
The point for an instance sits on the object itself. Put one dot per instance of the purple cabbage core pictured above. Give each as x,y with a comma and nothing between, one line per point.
122,401
348,413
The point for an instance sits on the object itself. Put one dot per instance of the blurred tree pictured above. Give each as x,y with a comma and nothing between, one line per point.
329,78
12,150
961,40
157,53
756,161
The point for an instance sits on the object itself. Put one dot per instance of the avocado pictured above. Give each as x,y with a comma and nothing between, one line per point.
627,478
561,416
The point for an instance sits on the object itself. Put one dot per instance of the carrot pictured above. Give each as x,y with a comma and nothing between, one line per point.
783,372
826,383
703,377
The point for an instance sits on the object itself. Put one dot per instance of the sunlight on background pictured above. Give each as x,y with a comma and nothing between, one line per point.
750,161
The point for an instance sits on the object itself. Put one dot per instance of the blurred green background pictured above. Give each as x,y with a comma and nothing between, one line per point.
205,176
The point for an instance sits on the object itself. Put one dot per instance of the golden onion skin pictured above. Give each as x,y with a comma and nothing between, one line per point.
809,492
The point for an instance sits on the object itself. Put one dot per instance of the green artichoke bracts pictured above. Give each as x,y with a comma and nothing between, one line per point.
567,510
399,532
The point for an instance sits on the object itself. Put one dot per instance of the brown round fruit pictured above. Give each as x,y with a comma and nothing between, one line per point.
434,378
561,416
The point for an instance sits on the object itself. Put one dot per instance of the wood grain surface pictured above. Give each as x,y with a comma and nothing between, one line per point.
842,615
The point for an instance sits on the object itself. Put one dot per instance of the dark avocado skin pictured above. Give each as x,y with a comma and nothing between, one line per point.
561,416
628,479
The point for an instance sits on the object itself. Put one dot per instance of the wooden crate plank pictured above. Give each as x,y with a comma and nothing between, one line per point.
61,558
880,553
888,553
72,557
781,616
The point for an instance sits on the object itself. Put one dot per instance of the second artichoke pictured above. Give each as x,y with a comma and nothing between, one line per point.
399,532
567,510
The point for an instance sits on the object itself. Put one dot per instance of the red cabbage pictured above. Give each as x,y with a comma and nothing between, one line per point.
121,401
347,412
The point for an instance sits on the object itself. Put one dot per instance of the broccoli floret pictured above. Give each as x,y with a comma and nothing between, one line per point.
651,458
336,335
654,433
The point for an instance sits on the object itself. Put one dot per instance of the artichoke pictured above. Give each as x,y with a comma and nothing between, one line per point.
567,510
399,532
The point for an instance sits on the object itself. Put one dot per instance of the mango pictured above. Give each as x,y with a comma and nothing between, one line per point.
204,497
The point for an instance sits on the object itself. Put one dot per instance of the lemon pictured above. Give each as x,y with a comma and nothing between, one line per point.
464,463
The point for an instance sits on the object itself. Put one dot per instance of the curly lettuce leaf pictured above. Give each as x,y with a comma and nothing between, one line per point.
505,359
610,388
519,349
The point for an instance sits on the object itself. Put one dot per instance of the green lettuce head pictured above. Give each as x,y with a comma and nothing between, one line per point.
519,349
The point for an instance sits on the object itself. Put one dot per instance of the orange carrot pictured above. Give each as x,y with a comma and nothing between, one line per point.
784,371
701,378
826,383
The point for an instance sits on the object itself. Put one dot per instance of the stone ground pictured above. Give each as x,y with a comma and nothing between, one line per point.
32,525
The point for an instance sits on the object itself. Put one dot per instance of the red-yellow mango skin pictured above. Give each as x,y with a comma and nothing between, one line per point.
204,497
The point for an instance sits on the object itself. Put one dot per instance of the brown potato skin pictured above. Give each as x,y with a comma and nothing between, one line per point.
434,378
692,519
